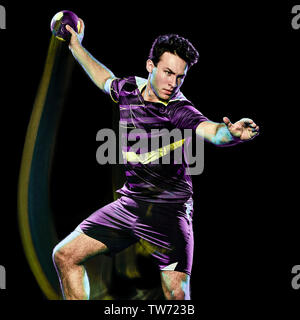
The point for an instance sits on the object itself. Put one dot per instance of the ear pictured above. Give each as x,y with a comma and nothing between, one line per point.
149,65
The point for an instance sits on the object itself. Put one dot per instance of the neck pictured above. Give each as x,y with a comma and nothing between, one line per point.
149,95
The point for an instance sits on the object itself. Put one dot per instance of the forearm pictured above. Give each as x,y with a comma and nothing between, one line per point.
95,70
216,133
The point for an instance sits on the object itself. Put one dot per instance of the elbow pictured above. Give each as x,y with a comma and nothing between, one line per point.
106,83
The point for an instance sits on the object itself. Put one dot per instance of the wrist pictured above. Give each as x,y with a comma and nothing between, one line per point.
76,47
224,137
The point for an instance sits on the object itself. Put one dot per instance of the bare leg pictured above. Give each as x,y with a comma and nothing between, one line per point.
175,285
68,257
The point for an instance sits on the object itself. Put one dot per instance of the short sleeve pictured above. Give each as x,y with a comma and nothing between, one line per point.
186,116
113,87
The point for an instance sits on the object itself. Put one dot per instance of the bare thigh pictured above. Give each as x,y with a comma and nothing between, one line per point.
77,247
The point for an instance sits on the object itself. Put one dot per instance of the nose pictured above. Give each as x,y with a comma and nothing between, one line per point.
173,81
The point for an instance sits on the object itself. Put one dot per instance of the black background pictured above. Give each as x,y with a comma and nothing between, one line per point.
245,220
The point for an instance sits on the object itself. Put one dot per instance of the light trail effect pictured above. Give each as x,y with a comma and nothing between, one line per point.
35,218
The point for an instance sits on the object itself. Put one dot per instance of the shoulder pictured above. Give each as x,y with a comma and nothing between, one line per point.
179,104
131,83
180,97
179,101
140,82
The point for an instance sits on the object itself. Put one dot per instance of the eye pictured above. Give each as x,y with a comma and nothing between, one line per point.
168,72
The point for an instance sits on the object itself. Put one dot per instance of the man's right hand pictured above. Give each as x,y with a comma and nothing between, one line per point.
76,38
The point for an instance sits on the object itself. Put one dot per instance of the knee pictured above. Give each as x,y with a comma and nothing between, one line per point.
56,256
60,256
176,285
179,294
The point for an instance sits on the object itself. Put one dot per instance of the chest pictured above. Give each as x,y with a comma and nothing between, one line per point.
136,113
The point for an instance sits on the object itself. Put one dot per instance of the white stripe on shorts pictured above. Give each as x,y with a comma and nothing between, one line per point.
171,266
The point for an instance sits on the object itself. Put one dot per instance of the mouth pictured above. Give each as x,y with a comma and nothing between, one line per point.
167,92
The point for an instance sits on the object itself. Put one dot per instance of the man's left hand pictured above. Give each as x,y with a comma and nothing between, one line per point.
244,129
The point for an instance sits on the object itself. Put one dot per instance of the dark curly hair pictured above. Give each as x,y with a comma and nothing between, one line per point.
175,44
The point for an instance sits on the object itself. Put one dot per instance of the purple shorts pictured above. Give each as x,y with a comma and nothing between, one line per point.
164,229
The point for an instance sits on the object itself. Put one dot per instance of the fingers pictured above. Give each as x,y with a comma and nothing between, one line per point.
253,132
76,37
248,122
227,122
82,26
254,127
70,29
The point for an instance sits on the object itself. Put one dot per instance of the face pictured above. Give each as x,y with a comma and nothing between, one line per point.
167,77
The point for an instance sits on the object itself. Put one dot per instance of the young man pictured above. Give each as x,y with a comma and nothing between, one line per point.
156,203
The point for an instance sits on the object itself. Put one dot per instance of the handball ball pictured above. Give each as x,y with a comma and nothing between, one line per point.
59,22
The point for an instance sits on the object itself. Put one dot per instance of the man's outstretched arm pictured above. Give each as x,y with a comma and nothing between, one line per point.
227,133
95,70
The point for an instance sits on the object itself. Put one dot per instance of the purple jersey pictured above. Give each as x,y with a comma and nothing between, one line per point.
146,179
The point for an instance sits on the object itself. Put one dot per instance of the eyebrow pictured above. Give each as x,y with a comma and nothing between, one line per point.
180,75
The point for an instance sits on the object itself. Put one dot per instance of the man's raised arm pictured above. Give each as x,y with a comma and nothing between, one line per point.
95,70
